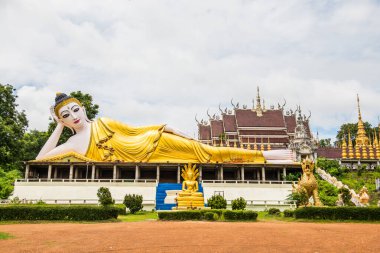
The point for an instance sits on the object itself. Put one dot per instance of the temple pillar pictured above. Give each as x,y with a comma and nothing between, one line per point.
27,167
76,172
114,172
279,174
178,174
97,173
258,174
71,172
221,173
55,172
284,173
158,173
200,174
137,172
49,172
93,172
242,173
263,173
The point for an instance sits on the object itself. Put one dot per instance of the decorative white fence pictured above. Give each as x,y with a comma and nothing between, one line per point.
66,180
246,182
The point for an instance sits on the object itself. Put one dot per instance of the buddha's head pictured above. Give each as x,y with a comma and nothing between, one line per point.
70,111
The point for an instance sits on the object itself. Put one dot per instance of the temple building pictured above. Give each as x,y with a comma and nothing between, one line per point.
258,128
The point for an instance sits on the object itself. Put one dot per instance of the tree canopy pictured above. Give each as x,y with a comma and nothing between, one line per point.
352,128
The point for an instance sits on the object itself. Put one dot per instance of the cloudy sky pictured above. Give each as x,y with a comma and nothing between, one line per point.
149,62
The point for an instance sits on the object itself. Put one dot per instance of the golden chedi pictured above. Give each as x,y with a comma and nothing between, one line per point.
190,197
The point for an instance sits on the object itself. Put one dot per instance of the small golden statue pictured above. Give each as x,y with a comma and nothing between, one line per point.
190,198
363,196
308,183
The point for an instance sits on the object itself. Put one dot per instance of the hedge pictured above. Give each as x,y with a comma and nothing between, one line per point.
205,215
288,213
239,215
338,213
50,212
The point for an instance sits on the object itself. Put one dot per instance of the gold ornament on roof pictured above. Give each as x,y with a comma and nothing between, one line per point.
350,147
361,137
344,148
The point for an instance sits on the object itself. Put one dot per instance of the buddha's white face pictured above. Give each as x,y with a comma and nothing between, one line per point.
72,115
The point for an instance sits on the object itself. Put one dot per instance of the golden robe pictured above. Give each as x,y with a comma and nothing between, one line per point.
112,140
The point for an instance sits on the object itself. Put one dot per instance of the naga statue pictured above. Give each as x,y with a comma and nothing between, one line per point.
190,197
308,184
107,140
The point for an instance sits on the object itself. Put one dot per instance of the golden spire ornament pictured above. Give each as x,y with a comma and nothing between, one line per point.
344,148
248,145
235,143
370,148
361,137
269,147
364,152
350,148
377,146
357,152
255,145
262,144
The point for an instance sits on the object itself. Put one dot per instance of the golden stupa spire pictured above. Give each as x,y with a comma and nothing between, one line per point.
248,145
344,148
377,145
361,137
350,148
364,152
357,152
262,144
370,148
255,145
269,147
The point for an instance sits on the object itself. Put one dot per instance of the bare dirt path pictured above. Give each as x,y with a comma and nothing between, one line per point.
189,236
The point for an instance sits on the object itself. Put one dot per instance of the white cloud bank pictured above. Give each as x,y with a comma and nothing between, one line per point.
150,62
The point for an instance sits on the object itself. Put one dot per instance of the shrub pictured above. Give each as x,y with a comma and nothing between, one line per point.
338,213
210,216
293,176
217,202
274,211
288,213
133,202
301,198
239,215
239,204
180,215
346,196
40,202
57,212
120,209
105,197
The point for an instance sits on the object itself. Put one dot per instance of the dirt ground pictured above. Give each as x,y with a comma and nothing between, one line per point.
191,236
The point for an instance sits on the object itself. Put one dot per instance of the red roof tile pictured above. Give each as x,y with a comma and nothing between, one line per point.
332,153
290,123
229,122
204,132
270,118
216,127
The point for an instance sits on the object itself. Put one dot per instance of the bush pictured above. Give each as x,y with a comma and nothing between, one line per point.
210,216
120,209
180,215
133,202
274,211
338,213
240,215
217,202
105,197
57,212
239,204
288,213
346,196
301,198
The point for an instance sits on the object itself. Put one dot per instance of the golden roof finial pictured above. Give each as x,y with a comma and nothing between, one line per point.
350,148
262,144
370,148
360,114
269,147
344,147
249,144
377,145
255,145
361,137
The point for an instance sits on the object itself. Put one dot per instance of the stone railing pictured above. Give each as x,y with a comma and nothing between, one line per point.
355,198
245,182
66,180
70,201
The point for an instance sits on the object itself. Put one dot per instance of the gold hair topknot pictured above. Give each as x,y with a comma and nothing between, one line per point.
66,102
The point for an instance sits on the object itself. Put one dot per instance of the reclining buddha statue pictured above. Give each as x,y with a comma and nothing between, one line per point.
105,139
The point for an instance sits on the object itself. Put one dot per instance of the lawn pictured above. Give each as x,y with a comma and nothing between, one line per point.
4,236
140,216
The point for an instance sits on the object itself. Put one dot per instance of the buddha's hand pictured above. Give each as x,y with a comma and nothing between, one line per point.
54,116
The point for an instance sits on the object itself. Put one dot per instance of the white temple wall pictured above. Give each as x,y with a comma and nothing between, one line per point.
250,192
77,192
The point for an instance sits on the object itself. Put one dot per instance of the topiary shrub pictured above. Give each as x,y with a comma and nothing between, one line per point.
217,202
105,197
301,198
240,215
239,204
274,211
288,213
210,216
181,215
133,202
338,213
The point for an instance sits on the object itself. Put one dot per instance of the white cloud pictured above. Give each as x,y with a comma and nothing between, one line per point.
151,62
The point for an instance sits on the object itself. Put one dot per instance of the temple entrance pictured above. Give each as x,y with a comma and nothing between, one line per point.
209,174
168,175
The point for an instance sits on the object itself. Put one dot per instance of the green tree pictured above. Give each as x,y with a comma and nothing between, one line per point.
6,182
217,202
33,142
13,124
133,202
352,128
91,110
105,197
325,143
